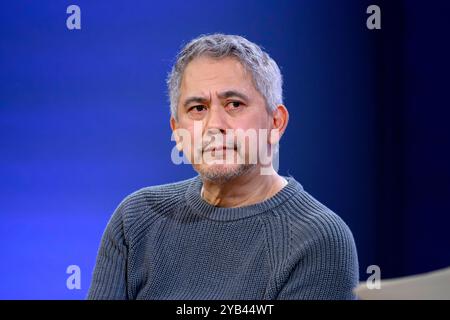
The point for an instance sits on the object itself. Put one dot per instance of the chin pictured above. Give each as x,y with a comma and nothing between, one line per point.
223,172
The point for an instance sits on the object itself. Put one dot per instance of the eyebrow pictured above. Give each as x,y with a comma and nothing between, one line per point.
190,100
233,93
223,95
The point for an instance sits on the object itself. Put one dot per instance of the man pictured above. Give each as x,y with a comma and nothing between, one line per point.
238,230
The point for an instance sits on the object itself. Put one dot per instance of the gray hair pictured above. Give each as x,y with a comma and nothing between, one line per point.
265,71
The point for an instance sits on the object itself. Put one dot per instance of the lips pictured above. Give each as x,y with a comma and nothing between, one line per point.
219,148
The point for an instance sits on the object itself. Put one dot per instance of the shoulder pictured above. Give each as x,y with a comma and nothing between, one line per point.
321,240
322,257
149,204
158,194
311,222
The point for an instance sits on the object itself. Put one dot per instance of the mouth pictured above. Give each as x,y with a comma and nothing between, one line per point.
219,148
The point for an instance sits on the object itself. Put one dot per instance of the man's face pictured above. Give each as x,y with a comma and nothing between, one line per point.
217,95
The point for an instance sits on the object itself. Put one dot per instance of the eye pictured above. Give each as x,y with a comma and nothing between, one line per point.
197,108
235,104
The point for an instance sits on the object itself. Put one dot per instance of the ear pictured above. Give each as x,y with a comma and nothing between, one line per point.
280,119
174,127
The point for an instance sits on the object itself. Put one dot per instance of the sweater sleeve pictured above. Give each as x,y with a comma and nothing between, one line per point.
109,276
325,267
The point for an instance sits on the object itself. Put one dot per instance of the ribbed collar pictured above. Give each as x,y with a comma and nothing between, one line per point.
201,207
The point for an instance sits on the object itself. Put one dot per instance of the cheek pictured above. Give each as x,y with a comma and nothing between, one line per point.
188,140
257,117
191,140
259,125
254,122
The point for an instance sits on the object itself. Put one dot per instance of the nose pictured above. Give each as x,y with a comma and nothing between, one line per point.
215,125
216,120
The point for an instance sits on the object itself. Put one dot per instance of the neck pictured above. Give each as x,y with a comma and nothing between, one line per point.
244,190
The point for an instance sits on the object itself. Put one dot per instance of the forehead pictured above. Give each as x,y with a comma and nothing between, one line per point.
206,73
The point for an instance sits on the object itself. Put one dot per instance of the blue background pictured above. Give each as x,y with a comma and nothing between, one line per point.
84,122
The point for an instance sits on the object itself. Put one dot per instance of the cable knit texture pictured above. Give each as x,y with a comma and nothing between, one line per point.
166,242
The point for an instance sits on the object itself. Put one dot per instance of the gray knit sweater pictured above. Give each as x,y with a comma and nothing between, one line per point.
166,242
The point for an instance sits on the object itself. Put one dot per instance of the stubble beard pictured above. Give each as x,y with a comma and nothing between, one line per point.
223,173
